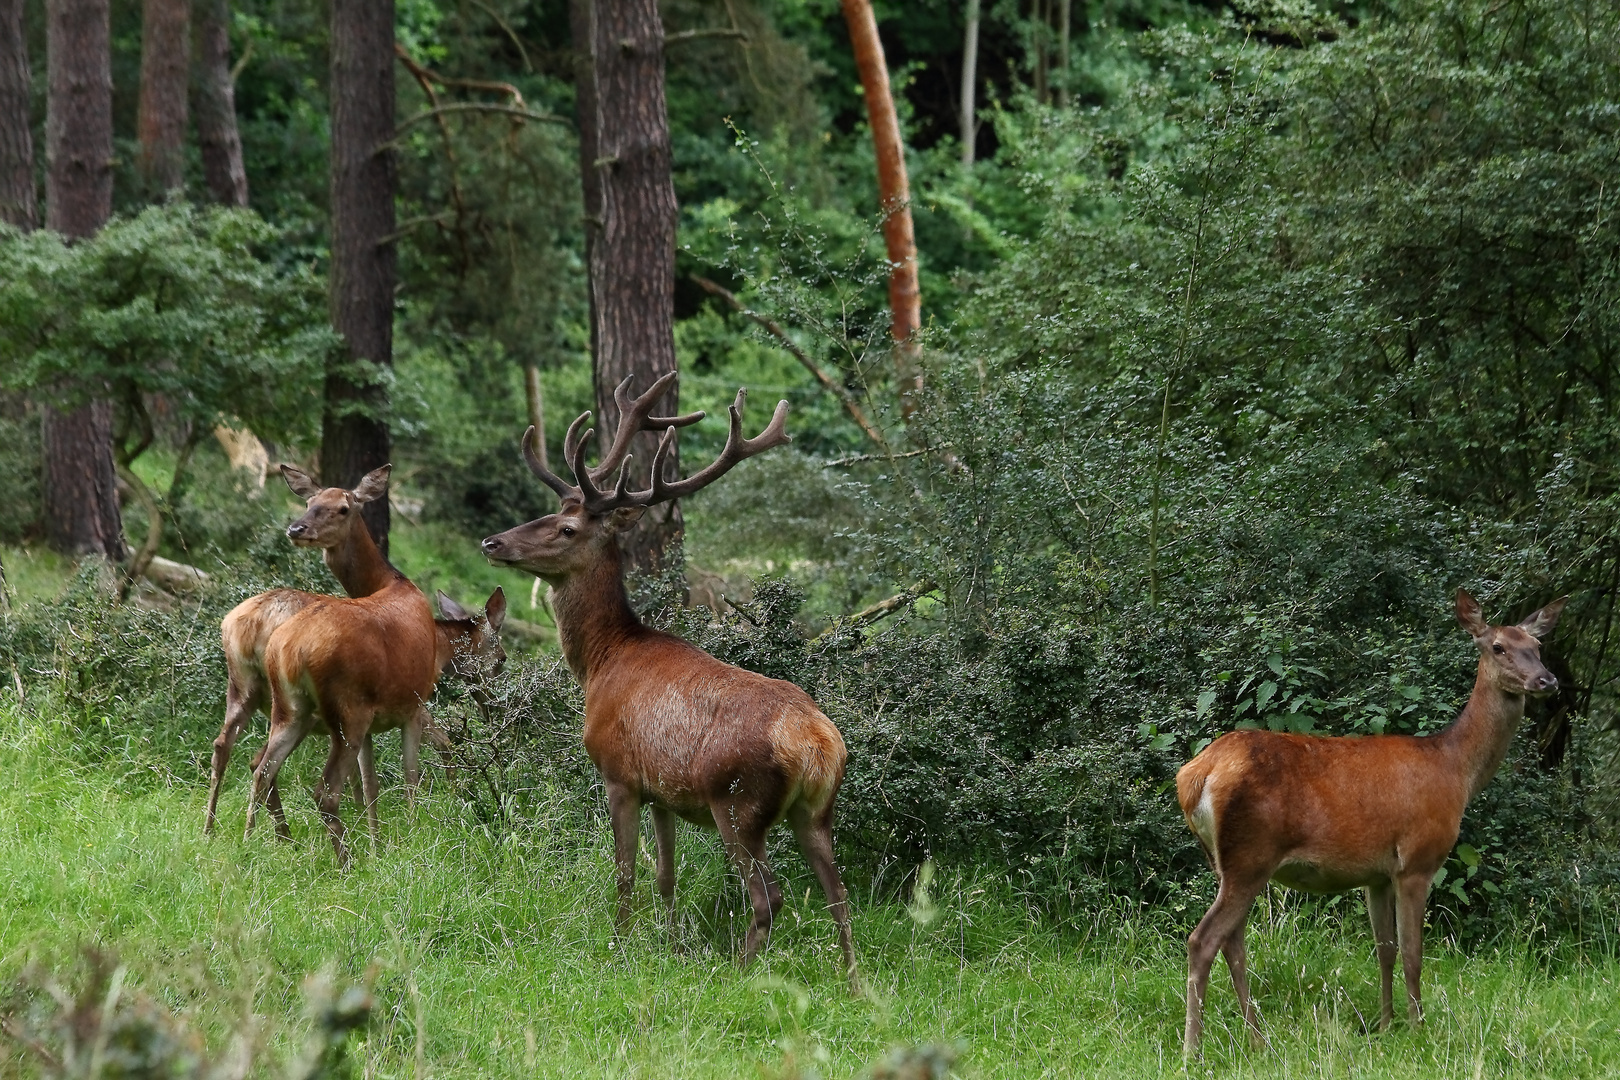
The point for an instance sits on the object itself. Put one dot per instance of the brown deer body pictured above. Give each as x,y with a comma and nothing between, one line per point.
1379,813
666,724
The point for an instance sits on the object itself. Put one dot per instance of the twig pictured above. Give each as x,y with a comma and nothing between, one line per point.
710,32
772,327
528,65
880,610
856,459
424,73
478,106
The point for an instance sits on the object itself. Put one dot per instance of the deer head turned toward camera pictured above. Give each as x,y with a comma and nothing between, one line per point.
665,723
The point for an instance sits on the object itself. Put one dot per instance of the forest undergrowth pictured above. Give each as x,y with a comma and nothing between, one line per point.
490,952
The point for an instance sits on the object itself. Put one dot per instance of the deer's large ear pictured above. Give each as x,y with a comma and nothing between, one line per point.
1542,622
495,609
303,485
373,485
622,518
1469,615
451,609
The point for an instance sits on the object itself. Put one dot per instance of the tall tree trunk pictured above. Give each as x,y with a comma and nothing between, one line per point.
160,122
1040,24
1064,19
16,136
970,81
894,189
81,491
633,257
581,20
214,103
354,431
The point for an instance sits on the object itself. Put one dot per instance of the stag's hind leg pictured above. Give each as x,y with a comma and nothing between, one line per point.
814,833
242,699
1237,962
664,833
1224,918
744,837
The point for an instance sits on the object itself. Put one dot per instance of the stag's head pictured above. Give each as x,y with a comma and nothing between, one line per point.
1512,654
594,511
475,638
331,512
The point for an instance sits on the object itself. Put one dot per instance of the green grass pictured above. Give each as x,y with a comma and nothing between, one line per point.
503,946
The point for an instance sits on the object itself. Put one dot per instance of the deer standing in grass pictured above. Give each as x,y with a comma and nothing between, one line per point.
1327,815
667,724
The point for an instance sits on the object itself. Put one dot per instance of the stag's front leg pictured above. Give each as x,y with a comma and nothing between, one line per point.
624,808
1411,896
664,833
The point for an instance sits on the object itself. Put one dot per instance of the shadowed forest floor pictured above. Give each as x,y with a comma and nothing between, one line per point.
502,948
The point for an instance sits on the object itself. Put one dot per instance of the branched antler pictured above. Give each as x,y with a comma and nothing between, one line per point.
635,416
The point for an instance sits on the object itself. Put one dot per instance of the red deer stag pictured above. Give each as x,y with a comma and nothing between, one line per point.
331,522
666,723
1328,815
364,664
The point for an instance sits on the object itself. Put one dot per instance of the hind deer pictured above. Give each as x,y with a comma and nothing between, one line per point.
666,724
1379,813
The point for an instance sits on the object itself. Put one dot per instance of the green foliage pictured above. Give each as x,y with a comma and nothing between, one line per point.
176,302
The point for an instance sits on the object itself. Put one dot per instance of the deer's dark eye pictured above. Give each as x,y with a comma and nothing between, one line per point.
568,531
344,510
1498,649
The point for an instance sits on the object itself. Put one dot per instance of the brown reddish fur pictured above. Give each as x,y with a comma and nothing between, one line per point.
1379,813
670,726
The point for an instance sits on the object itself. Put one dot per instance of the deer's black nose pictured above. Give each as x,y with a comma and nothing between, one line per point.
1547,682
297,528
491,545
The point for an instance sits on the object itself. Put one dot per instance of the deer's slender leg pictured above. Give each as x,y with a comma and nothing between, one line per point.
745,844
1237,962
344,756
1225,915
288,726
1381,911
814,834
624,808
242,700
411,740
664,833
1411,896
369,786
272,798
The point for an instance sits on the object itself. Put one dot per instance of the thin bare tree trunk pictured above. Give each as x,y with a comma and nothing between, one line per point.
160,123
581,23
354,431
894,189
1063,52
632,263
80,489
214,104
970,82
1040,20
16,136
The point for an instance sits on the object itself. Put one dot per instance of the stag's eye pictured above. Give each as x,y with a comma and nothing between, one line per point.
1497,648
568,530
344,510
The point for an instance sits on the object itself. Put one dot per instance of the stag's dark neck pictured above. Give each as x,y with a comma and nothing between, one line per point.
1479,738
594,616
359,564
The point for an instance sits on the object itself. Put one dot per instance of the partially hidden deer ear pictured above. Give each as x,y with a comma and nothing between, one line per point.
1542,622
1469,615
303,485
624,517
495,609
373,485
451,609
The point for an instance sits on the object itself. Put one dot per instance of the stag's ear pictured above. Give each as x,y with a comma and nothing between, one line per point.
1470,617
303,485
1542,622
495,609
451,609
373,485
623,518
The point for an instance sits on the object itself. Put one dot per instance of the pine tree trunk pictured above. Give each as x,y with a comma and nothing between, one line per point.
354,432
81,491
633,257
970,82
214,104
160,122
581,18
16,138
894,189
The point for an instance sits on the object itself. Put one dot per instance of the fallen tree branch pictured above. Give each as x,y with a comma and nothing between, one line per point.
698,35
772,327
880,610
477,106
856,459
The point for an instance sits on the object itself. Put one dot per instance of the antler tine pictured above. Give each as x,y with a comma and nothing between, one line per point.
547,477
589,493
574,440
633,415
737,448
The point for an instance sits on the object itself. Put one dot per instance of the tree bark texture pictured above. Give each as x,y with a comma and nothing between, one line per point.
633,256
354,431
160,120
81,490
214,104
581,19
894,189
16,137
970,82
